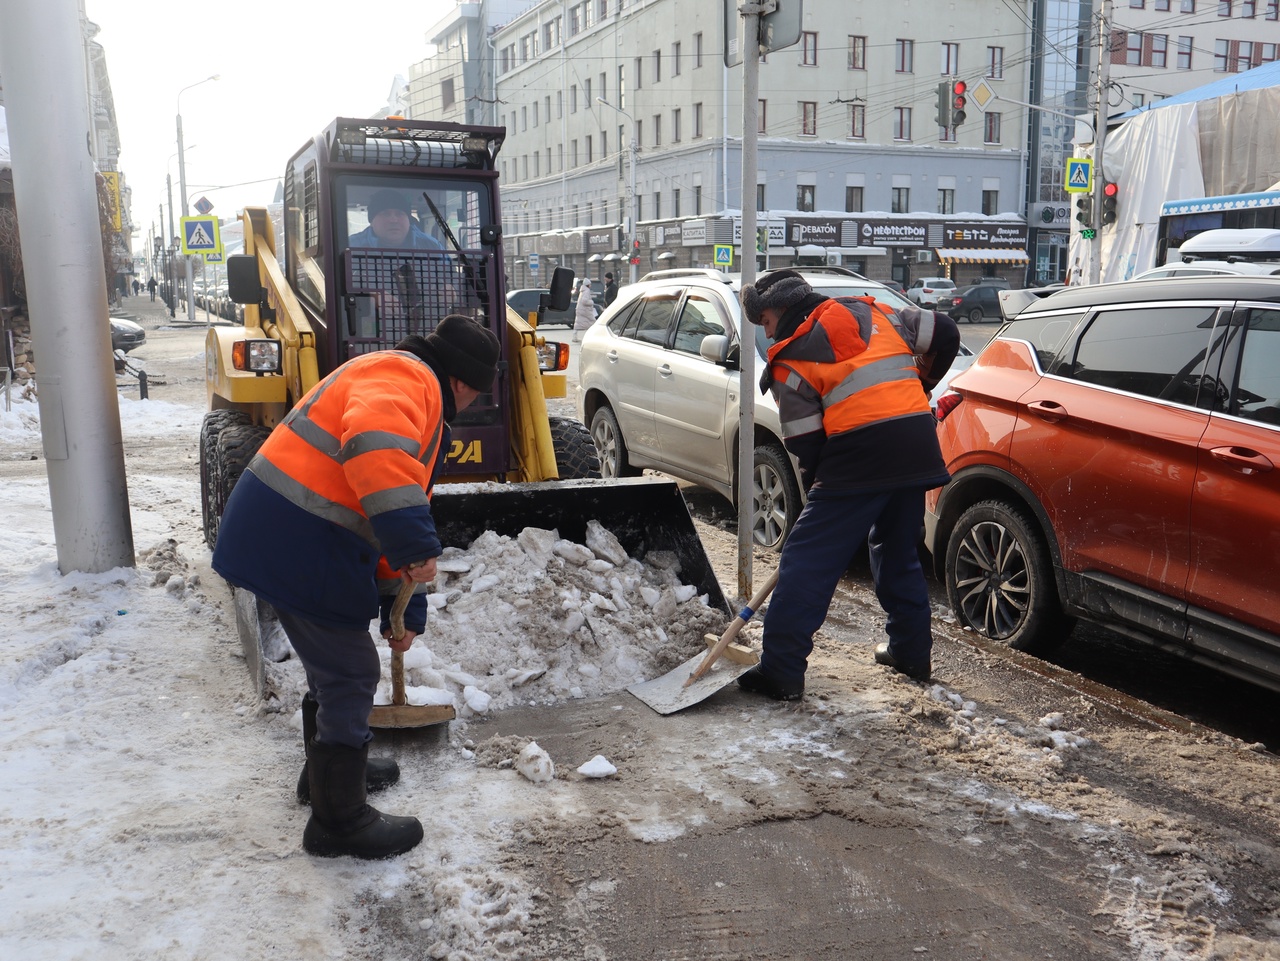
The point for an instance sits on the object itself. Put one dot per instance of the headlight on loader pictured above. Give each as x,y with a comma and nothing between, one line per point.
553,355
256,356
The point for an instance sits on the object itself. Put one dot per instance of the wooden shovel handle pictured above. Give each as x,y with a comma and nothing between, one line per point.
732,630
397,631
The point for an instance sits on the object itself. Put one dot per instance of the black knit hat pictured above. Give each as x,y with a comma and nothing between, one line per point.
387,199
466,350
781,289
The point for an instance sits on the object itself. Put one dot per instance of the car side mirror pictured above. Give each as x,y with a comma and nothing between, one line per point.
718,349
561,289
243,284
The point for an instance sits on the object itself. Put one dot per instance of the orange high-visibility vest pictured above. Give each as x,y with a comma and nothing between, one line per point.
865,373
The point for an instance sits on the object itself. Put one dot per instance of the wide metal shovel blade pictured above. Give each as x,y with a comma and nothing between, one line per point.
668,694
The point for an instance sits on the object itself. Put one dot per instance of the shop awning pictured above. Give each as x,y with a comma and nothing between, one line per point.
982,255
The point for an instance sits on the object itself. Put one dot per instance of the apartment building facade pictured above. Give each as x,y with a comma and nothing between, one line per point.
853,167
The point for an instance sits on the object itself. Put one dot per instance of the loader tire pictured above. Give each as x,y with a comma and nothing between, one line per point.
576,455
215,422
234,449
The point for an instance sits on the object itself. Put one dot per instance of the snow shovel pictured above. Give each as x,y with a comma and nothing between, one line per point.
400,713
702,675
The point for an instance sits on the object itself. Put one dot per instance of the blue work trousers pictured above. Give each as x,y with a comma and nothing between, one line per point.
828,535
343,669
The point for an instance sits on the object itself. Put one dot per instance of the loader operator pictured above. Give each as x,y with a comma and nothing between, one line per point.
855,413
334,504
391,224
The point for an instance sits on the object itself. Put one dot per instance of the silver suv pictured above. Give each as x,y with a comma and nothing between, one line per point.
658,385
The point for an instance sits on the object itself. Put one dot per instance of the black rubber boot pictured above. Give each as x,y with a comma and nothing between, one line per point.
917,672
341,822
379,774
758,682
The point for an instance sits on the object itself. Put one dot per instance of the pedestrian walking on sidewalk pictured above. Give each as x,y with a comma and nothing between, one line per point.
151,286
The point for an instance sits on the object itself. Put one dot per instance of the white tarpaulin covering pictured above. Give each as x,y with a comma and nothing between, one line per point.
4,140
1225,145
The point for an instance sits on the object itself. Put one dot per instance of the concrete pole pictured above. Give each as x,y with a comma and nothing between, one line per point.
173,242
747,372
186,212
54,184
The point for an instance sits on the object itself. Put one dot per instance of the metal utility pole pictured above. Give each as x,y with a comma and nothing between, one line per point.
173,241
1099,135
747,367
186,212
632,150
42,58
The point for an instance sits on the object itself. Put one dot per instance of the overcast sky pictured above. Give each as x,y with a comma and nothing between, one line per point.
286,70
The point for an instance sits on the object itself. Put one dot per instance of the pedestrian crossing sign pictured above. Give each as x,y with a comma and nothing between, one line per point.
200,235
1079,175
724,255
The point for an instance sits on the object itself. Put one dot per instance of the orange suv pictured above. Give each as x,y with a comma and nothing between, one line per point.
1115,455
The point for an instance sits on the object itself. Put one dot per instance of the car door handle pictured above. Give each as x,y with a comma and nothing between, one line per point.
1050,410
664,370
612,355
1243,459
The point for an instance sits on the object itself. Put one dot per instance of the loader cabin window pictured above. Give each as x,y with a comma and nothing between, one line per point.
412,255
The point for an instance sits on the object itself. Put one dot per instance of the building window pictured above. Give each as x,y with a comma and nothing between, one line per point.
446,94
946,201
675,201
575,21
809,48
990,203
573,98
1137,4
657,130
1139,100
1133,49
853,200
1273,9
901,123
697,200
904,56
524,118
809,118
761,126
901,200
858,121
950,59
805,197
1244,56
604,145
622,86
760,197
657,205
857,53
1224,8
991,127
1159,50
604,87
638,80
1268,52
697,50
675,59
586,94
588,146
639,133
1184,52
1188,6
697,121
1248,9
995,62
675,126
573,153
657,66
1162,6
1221,55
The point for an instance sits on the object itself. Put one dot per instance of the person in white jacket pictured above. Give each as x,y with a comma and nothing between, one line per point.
585,314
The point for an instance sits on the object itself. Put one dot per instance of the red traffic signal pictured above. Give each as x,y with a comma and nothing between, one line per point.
958,102
1110,195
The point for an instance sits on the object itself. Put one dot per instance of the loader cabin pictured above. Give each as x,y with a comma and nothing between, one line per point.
388,228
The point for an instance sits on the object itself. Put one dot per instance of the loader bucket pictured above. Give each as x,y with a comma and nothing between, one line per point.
644,513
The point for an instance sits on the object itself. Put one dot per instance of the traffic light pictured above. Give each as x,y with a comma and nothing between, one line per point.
1084,210
958,101
635,251
1110,194
944,104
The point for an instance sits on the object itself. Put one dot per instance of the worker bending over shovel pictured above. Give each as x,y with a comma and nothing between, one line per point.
852,398
334,504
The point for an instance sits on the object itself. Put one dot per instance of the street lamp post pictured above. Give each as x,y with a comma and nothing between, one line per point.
182,181
631,199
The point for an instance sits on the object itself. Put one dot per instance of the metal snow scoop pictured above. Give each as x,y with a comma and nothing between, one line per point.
400,713
702,675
